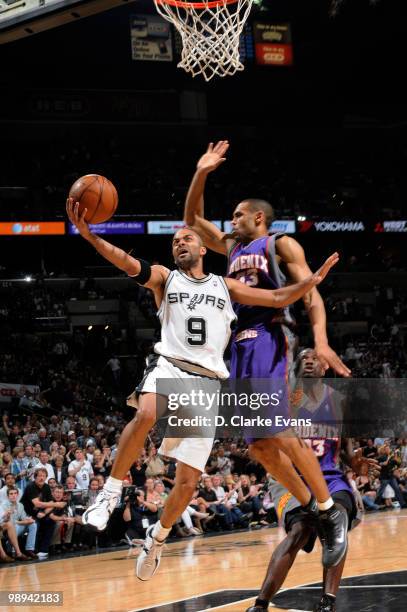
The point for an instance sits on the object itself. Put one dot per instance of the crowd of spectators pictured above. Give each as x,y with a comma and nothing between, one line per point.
52,469
22,306
382,352
386,487
370,359
75,366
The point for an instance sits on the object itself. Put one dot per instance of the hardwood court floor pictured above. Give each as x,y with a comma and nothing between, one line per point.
225,564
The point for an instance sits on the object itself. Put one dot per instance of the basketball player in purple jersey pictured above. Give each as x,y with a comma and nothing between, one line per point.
321,405
263,344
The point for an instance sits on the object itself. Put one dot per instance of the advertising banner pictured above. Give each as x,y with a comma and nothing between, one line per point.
391,226
170,227
151,39
273,45
112,227
286,226
331,226
10,390
32,228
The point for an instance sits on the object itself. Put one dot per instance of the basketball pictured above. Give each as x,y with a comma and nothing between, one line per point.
97,194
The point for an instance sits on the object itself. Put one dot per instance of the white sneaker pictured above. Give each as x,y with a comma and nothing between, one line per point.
42,556
98,514
149,559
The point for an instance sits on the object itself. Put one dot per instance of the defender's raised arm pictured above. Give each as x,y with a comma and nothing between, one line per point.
194,203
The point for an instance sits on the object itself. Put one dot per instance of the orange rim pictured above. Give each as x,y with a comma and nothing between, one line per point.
197,5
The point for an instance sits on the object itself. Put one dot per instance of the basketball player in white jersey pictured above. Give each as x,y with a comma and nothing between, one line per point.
195,312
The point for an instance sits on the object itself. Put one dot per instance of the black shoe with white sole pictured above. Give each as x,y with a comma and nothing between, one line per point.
333,530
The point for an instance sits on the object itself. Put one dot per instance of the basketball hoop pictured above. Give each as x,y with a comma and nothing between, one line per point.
210,33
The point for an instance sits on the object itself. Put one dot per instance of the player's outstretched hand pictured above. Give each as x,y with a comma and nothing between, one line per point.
72,210
326,266
214,156
330,359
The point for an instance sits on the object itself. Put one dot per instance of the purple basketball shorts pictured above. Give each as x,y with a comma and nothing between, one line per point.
264,356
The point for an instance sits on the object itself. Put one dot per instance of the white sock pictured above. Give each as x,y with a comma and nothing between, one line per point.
160,532
326,505
113,484
187,519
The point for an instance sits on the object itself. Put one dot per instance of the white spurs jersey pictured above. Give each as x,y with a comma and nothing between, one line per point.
195,318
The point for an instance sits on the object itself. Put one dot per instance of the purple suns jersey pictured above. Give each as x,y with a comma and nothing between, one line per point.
323,435
255,265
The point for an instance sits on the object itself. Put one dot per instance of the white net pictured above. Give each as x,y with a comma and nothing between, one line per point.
210,33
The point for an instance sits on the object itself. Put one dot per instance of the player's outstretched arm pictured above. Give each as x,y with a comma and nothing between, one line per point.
278,298
116,256
292,254
194,203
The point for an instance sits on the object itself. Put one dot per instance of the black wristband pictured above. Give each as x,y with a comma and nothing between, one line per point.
145,272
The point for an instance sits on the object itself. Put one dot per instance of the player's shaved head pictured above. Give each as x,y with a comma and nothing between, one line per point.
256,205
188,230
308,365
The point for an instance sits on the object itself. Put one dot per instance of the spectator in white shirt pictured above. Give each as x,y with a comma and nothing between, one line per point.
10,482
219,490
81,469
44,463
223,463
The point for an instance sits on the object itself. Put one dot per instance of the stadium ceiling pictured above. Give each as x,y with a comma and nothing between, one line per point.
23,18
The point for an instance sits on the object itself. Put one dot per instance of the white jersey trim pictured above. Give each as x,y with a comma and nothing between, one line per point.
167,284
195,280
228,295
